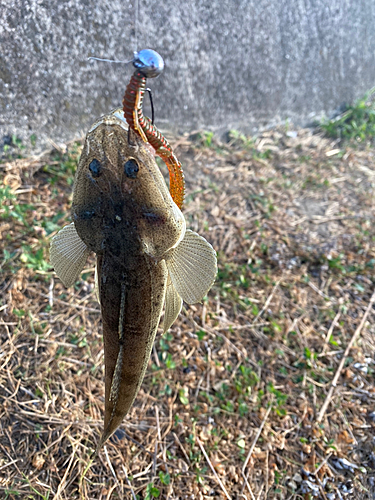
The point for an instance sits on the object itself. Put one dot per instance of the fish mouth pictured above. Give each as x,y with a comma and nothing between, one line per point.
115,117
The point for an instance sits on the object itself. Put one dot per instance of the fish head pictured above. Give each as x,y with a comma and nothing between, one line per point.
120,198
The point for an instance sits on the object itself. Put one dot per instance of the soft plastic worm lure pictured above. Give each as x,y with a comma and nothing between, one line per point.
149,64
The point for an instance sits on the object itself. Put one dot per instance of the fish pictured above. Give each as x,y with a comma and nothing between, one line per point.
147,260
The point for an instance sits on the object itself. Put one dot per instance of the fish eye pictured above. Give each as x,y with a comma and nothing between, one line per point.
131,168
95,168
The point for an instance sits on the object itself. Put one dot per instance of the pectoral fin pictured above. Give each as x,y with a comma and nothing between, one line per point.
68,254
192,266
173,305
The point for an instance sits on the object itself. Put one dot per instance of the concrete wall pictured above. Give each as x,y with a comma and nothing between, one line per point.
229,63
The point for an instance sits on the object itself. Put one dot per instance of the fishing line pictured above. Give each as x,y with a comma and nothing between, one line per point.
136,17
109,60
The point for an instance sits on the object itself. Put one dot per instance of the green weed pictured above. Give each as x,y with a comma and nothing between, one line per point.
13,148
357,122
247,378
183,397
207,139
280,397
10,493
168,360
33,140
34,259
34,490
10,209
165,478
63,165
201,334
164,341
151,492
239,139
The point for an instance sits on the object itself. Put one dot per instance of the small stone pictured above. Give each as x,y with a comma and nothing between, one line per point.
292,485
306,448
297,478
38,461
117,435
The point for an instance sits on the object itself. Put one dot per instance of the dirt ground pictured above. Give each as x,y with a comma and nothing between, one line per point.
264,391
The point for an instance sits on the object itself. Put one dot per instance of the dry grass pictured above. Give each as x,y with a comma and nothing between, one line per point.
231,405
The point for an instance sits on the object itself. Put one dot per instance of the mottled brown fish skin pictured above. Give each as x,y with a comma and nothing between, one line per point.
142,294
123,212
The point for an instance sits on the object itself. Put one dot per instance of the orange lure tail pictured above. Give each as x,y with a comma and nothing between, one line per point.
142,125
